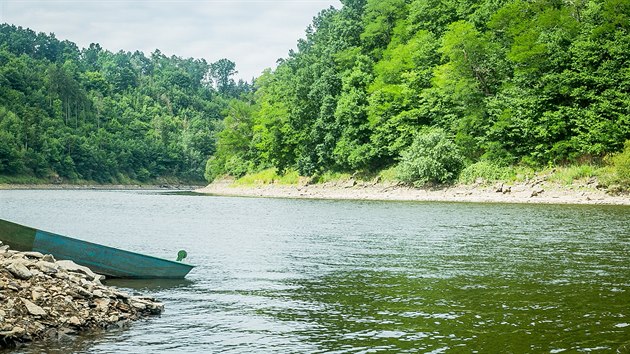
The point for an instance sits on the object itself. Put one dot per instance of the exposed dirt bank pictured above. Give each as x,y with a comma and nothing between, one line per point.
534,191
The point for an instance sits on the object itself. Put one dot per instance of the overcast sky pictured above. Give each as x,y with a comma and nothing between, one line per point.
252,33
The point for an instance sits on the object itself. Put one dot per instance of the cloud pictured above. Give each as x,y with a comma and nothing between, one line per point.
252,33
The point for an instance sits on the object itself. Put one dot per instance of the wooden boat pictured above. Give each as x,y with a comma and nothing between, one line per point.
109,261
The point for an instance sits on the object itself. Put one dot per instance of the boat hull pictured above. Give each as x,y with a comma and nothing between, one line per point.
109,261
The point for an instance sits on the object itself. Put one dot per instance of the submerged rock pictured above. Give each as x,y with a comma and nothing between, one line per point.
45,299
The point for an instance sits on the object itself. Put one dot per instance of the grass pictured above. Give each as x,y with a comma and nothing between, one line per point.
268,176
488,172
568,175
328,176
22,179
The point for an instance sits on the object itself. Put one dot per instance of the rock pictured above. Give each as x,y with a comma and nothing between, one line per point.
102,304
15,332
42,298
35,255
36,295
536,192
32,308
47,267
70,266
19,271
49,258
74,320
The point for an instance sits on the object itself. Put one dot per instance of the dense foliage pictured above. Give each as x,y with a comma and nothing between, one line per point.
68,113
508,82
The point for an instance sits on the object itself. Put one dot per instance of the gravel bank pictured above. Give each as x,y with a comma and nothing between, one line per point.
535,191
45,299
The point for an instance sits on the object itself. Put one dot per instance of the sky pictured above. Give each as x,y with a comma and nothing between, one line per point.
252,33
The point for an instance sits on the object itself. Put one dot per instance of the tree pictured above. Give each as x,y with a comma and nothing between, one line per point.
221,72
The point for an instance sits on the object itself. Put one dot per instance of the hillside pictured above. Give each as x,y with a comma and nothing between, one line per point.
430,88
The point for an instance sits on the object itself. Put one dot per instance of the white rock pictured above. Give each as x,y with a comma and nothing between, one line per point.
19,270
70,266
32,308
47,267
33,255
75,321
49,258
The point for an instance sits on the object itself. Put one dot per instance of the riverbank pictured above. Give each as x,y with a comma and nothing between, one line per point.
45,299
534,191
52,186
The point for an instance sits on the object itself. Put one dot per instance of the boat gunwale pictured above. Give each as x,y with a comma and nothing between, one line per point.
105,246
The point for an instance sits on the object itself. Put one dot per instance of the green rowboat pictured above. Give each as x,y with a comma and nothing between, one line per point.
109,261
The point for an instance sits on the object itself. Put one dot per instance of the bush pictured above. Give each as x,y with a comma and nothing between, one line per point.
213,168
488,171
432,158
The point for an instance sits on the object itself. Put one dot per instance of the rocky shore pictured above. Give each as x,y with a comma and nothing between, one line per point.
536,191
45,299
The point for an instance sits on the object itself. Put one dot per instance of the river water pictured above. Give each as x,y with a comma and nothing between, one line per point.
283,276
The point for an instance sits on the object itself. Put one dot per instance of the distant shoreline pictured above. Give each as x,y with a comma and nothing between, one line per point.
98,186
534,192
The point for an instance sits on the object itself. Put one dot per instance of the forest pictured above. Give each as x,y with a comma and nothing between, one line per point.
70,114
428,88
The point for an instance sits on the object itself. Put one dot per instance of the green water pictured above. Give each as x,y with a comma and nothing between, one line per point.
299,276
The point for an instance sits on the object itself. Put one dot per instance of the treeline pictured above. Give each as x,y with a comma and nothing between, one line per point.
90,114
435,85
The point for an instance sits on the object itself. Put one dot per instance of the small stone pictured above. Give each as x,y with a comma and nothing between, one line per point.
350,183
139,305
97,293
49,258
102,304
82,292
32,308
75,321
15,332
537,192
35,295
47,267
36,255
19,270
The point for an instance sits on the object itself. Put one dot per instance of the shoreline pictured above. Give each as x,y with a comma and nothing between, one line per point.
532,192
65,186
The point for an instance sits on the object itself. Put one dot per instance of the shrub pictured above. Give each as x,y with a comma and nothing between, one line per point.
432,158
